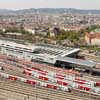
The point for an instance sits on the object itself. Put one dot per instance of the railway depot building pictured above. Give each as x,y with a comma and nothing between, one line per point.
39,52
56,55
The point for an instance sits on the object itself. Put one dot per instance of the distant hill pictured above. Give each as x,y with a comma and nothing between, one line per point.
58,10
5,11
49,10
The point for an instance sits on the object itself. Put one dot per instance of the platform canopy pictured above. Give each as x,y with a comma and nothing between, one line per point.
77,61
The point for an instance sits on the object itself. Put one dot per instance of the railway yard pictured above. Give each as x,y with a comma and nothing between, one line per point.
25,80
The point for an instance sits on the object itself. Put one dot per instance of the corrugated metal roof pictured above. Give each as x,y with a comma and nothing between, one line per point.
77,61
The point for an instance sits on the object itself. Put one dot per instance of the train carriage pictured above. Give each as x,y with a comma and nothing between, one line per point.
32,82
52,86
62,83
12,77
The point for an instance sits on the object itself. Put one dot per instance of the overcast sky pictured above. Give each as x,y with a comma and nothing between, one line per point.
21,4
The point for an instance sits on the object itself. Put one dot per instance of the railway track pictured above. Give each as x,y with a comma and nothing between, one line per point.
40,92
91,77
47,68
16,73
4,94
86,76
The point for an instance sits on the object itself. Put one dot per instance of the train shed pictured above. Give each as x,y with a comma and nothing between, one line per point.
75,63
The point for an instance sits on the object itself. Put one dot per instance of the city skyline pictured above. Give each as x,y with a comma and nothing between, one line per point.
25,4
